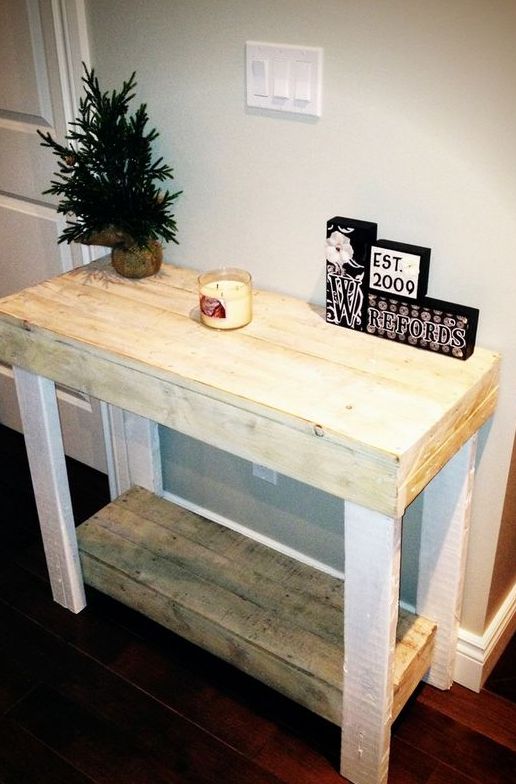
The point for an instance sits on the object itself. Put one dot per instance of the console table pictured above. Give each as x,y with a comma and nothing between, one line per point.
372,422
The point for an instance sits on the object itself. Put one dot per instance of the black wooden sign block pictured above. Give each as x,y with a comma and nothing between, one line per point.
379,287
433,324
347,251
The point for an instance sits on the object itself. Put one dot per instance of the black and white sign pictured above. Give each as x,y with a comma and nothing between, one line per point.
347,250
433,324
399,269
379,287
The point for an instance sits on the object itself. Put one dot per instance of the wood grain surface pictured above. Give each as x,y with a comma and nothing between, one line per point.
364,419
269,615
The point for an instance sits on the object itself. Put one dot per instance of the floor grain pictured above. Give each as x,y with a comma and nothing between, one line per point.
109,697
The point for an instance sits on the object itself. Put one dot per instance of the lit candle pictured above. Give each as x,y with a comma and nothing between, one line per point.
225,298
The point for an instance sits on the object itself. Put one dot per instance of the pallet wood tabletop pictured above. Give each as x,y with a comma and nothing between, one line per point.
362,418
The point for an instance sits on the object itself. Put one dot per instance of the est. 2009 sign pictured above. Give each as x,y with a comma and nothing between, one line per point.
379,287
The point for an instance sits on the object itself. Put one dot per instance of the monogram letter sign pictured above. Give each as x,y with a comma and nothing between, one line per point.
379,287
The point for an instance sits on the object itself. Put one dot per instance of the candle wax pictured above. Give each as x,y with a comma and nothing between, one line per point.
226,304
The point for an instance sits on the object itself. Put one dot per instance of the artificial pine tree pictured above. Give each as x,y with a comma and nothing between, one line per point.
107,178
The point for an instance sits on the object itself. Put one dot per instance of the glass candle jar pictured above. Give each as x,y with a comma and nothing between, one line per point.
225,298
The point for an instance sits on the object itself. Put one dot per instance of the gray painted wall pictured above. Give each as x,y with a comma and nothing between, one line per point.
289,512
417,132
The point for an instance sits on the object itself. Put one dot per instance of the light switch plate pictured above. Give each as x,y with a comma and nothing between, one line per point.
293,81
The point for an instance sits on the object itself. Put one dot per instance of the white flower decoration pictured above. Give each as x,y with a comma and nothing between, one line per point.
338,250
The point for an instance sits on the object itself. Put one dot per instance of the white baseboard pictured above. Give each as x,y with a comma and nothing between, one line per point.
478,654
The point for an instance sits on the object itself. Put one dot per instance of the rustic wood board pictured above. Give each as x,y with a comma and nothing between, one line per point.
363,419
273,617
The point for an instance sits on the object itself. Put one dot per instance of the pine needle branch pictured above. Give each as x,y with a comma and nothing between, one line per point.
106,173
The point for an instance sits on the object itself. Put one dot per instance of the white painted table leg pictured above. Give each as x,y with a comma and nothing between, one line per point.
442,561
42,429
132,447
372,565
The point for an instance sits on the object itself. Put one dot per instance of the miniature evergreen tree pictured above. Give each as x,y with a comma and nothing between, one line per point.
106,174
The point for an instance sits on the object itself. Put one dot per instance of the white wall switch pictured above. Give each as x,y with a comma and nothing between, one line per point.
302,80
260,71
284,78
281,78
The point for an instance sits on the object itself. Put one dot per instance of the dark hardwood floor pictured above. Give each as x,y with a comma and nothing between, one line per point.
109,697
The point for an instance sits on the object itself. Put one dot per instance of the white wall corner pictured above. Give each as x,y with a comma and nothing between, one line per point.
478,654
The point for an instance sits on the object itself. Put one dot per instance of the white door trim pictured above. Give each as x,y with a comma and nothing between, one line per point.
127,462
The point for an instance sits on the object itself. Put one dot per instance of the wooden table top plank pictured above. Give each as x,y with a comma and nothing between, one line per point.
279,319
395,404
287,381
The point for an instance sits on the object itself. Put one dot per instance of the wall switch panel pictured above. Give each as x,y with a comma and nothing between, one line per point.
284,78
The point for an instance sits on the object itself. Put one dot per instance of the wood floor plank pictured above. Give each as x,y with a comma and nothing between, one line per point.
409,765
446,775
172,742
294,763
455,745
15,680
97,749
168,669
291,761
110,751
89,671
491,715
25,760
30,597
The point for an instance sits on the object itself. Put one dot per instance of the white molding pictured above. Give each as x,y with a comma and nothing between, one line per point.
478,654
36,209
73,49
72,46
38,53
23,123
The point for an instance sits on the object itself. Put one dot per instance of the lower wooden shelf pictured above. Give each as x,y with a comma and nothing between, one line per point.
269,615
